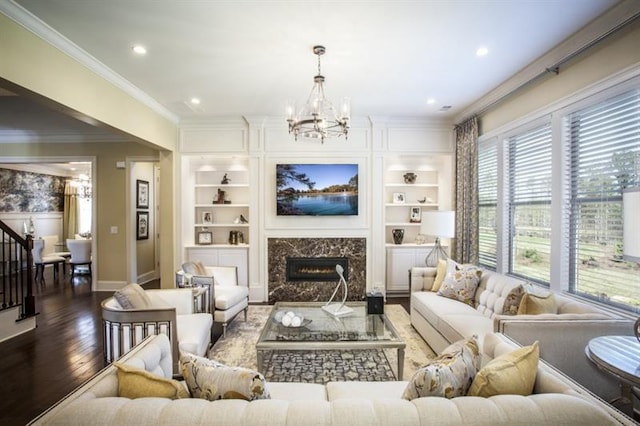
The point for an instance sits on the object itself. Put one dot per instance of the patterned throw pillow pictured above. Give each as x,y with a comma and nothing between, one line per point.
513,373
138,383
448,375
132,296
210,380
512,300
462,283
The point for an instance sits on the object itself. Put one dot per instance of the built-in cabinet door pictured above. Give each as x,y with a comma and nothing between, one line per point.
400,260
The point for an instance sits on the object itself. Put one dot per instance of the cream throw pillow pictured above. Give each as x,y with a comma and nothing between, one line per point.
132,296
534,305
138,383
441,272
210,380
509,374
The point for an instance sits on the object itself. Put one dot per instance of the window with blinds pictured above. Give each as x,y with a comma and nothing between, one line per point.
529,204
605,159
487,204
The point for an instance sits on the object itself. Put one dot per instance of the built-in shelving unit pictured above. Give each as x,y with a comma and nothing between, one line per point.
216,211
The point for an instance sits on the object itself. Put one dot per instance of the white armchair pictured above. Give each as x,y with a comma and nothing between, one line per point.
227,298
133,313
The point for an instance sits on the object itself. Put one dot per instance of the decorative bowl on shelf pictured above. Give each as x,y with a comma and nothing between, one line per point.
410,177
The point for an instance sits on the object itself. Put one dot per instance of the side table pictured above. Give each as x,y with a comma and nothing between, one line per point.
620,357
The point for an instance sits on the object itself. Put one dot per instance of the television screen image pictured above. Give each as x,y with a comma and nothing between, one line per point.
317,189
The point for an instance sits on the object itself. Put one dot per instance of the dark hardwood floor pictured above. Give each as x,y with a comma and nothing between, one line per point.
40,367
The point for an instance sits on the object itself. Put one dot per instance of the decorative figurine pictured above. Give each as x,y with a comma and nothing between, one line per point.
225,180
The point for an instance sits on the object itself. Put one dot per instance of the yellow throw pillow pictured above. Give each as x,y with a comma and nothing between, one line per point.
441,272
509,374
534,305
138,383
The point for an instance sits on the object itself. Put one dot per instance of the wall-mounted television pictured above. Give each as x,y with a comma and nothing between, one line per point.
317,189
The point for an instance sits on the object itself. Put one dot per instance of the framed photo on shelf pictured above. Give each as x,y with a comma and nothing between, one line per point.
205,238
207,217
398,198
142,194
416,215
142,225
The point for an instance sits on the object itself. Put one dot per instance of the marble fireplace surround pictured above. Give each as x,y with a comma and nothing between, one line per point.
281,290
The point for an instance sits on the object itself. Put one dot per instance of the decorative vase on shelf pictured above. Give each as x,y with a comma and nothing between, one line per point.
398,235
410,177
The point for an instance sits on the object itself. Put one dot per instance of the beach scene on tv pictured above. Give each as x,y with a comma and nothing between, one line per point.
317,189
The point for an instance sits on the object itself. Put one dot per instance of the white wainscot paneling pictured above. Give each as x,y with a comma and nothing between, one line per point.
206,139
436,139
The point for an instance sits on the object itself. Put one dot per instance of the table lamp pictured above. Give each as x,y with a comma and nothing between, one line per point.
631,232
439,224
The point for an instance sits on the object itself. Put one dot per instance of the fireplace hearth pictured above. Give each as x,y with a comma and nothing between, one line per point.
316,268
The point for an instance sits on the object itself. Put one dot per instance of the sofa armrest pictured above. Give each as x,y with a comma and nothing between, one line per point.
562,344
422,278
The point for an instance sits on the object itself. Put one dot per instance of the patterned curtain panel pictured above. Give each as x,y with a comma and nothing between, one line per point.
465,246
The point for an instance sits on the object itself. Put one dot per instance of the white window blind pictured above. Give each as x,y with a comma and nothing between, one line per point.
605,158
529,204
487,203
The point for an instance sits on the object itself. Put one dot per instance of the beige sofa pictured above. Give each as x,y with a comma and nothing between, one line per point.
562,336
557,400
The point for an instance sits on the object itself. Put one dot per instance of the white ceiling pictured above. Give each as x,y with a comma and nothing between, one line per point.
246,58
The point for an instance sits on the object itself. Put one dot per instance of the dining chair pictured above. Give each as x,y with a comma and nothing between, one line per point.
40,260
80,254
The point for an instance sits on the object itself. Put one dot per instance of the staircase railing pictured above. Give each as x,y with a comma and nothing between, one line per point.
16,272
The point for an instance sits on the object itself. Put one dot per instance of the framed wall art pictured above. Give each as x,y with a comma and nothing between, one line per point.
142,194
416,215
207,217
205,237
398,198
142,225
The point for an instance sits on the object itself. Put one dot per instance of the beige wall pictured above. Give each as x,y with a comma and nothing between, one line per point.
619,52
145,249
110,190
29,65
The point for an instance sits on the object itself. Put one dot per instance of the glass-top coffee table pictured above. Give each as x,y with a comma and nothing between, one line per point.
322,331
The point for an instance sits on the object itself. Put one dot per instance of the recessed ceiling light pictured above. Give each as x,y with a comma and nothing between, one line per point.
482,51
139,49
431,101
195,101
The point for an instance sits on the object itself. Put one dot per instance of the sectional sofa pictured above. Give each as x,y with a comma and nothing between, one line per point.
562,335
557,400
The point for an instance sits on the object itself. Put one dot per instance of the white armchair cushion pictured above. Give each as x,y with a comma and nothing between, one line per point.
179,298
194,332
227,296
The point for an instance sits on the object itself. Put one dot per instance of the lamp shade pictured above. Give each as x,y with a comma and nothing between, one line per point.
631,224
439,224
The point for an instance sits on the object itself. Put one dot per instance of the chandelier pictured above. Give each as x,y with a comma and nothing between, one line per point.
317,119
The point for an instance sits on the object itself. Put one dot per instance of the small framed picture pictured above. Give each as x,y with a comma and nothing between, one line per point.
142,194
205,237
142,228
207,217
415,215
398,198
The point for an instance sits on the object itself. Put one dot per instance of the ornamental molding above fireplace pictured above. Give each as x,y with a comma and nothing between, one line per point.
326,252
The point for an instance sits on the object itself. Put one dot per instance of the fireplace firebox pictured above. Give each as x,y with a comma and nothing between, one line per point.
316,268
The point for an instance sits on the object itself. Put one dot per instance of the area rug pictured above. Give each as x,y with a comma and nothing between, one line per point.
238,348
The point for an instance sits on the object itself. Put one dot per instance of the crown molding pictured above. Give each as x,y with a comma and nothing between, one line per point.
597,30
36,26
29,136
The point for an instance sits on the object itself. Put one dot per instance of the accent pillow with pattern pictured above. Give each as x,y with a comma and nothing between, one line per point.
449,375
461,282
210,380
